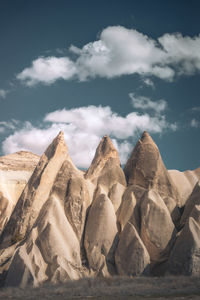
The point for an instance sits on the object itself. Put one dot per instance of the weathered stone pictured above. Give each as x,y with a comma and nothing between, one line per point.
129,209
76,204
105,169
157,228
100,235
51,251
185,255
185,183
131,256
115,195
146,169
35,193
15,171
194,199
104,152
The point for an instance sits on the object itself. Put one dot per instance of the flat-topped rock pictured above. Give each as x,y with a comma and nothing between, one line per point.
15,171
19,161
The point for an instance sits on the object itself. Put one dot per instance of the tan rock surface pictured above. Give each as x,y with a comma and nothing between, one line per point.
105,169
35,193
19,161
185,256
146,169
104,152
15,171
68,224
184,182
157,228
51,252
100,235
194,199
76,204
129,209
115,195
131,256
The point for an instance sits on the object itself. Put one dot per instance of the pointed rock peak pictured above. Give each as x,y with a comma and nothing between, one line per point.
59,139
58,142
36,192
145,135
146,138
145,145
106,148
146,168
104,152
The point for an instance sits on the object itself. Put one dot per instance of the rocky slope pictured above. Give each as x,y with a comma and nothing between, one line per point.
59,223
15,171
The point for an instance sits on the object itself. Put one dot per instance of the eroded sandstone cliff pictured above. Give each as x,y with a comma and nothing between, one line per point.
59,223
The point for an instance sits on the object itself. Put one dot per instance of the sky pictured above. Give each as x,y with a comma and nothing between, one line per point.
91,68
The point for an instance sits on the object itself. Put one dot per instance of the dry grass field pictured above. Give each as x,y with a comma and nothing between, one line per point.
119,288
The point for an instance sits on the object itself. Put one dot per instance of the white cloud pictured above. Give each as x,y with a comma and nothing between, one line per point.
83,128
145,103
120,51
184,52
194,123
8,125
47,70
149,82
101,120
3,93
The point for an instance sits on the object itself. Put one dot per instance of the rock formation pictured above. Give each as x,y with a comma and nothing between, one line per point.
157,228
185,255
35,193
193,199
59,223
131,256
184,182
15,171
146,169
100,236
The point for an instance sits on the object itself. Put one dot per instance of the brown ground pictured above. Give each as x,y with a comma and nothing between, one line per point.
118,288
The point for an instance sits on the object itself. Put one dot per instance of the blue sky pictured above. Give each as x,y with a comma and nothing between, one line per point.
92,68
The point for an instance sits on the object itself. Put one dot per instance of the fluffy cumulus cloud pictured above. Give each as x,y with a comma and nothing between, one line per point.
120,51
183,52
83,128
48,70
145,103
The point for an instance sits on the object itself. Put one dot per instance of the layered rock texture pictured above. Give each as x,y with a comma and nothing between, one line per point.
15,171
58,223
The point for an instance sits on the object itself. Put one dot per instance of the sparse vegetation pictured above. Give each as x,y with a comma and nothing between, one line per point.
125,288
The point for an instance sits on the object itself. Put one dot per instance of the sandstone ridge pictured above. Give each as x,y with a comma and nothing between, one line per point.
58,223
